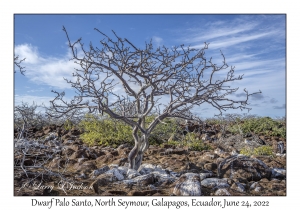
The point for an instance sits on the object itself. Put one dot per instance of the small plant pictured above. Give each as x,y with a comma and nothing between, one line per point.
174,143
195,143
162,131
262,150
68,125
192,142
246,151
198,146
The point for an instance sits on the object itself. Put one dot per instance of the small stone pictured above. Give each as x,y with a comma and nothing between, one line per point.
142,180
103,180
99,171
81,160
111,166
214,183
123,170
279,173
278,186
142,193
281,193
210,166
151,187
256,187
188,184
222,192
238,187
131,173
116,173
219,151
205,175
81,176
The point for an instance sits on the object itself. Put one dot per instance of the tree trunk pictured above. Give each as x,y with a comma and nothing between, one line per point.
135,156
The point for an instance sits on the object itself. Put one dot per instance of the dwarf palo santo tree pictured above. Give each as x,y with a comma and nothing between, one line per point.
129,83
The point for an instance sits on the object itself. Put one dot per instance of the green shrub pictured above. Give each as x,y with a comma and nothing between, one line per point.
175,143
213,121
262,125
108,131
198,146
246,151
163,131
68,125
262,150
192,142
105,131
195,143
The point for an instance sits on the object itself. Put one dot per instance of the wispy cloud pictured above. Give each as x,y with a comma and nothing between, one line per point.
30,99
257,97
46,70
239,35
279,107
256,63
29,52
217,30
228,42
157,41
255,46
273,101
35,90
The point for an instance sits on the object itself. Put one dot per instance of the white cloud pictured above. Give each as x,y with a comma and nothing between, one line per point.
30,99
254,64
29,52
216,31
227,42
157,41
35,90
46,70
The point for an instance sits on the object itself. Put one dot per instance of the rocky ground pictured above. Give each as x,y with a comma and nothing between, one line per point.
53,161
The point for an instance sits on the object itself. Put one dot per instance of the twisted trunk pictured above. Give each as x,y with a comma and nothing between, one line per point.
135,156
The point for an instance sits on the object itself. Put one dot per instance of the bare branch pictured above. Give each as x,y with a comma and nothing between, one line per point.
17,62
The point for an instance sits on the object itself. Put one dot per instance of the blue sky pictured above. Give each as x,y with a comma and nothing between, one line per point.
254,44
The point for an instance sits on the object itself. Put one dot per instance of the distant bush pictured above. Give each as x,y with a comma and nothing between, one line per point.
259,125
163,131
262,150
192,142
214,121
68,125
